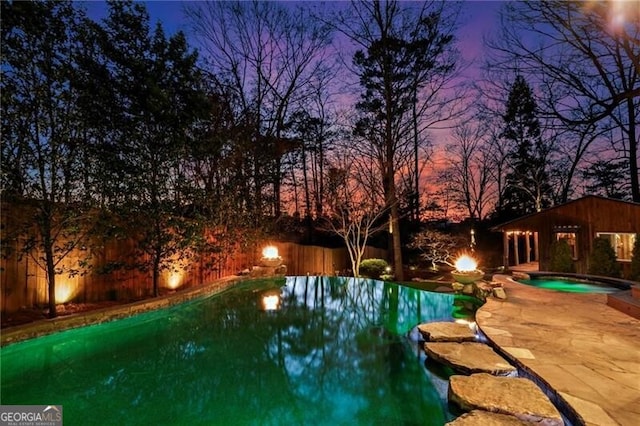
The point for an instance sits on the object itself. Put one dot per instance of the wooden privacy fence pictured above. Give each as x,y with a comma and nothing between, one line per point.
314,260
24,285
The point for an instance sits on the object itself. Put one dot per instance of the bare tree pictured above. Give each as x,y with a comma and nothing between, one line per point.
402,50
585,61
468,171
575,144
314,124
268,54
437,247
355,212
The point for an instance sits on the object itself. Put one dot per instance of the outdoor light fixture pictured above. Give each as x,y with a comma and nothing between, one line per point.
270,252
466,264
64,292
174,280
270,257
466,271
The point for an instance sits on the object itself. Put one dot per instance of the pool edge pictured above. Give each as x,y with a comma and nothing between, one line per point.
20,333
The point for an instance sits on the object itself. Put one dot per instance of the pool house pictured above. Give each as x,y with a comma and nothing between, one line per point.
529,238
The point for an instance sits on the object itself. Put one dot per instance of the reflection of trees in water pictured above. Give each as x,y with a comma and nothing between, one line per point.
333,341
351,334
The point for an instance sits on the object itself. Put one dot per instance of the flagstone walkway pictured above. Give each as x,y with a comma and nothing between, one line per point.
585,351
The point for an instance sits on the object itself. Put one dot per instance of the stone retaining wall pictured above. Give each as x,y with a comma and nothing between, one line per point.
44,327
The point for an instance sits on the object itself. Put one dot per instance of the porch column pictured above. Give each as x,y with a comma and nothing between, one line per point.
527,246
516,256
535,247
505,248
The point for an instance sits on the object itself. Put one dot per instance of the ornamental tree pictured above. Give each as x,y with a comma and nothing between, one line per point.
437,247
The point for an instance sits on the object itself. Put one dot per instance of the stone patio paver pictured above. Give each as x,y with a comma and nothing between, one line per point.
587,352
446,332
469,358
514,396
485,418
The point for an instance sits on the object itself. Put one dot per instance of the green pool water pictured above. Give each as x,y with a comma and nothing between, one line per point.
569,286
333,352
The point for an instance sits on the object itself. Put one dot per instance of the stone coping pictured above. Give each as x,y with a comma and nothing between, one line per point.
35,329
581,352
620,283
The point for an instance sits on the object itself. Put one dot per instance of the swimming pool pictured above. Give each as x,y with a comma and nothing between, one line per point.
569,285
305,350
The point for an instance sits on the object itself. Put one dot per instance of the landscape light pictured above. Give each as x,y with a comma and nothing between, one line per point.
64,292
466,271
175,280
466,264
270,252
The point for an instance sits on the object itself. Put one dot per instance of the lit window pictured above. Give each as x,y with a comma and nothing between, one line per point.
570,238
622,243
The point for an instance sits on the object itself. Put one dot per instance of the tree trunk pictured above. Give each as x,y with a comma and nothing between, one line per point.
51,280
307,197
397,245
415,200
633,152
392,203
277,177
156,274
49,258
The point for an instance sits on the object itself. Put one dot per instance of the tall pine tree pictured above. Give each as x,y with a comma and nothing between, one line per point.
405,48
527,183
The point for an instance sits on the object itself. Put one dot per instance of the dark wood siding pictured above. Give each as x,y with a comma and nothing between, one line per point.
590,214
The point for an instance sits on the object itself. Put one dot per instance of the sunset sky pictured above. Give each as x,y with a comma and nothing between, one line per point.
479,17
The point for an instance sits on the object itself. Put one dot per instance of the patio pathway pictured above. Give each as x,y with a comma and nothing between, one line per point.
585,351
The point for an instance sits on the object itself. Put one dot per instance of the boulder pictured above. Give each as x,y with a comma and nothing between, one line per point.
499,293
469,358
517,275
457,287
482,290
467,289
485,418
446,332
513,396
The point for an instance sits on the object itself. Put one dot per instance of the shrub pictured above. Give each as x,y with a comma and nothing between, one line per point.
635,260
602,259
373,268
561,260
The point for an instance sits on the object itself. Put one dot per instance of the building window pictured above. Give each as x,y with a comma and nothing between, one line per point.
570,238
622,243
